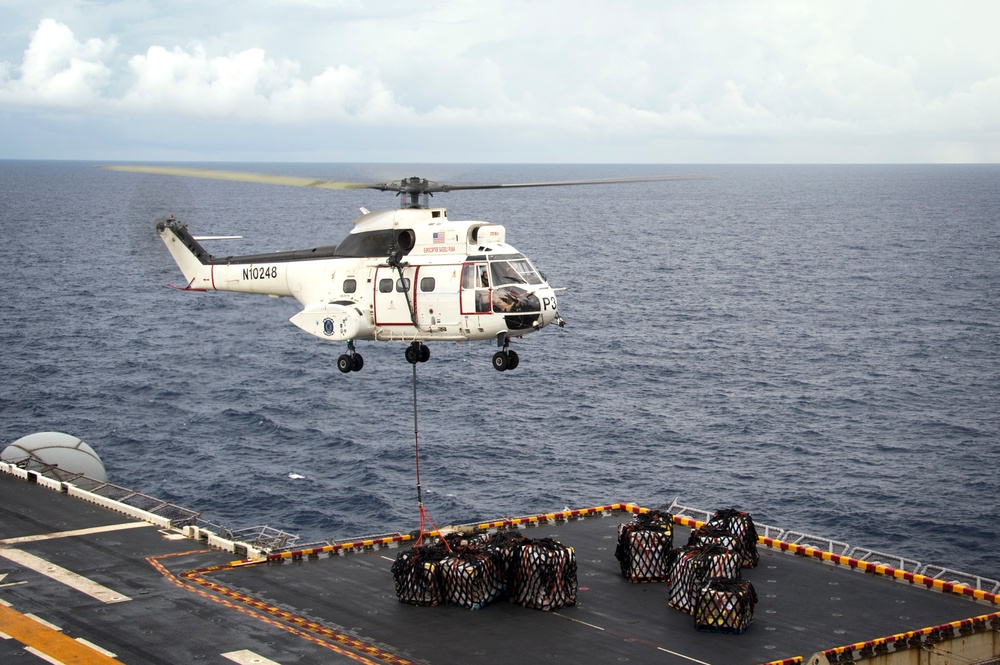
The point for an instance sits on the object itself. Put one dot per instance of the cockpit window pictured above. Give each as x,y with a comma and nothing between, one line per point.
518,271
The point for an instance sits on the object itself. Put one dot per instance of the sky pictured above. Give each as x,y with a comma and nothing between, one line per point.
479,81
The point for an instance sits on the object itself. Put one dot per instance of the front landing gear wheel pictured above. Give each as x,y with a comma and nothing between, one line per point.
500,361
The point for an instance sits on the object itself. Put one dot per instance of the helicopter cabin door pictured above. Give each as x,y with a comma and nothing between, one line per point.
475,291
394,296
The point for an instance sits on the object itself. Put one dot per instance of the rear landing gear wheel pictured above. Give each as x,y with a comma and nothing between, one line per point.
512,360
345,363
417,352
350,361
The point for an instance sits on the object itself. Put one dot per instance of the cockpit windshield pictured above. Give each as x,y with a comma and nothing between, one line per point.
517,271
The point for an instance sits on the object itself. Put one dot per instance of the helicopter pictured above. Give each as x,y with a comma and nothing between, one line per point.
409,274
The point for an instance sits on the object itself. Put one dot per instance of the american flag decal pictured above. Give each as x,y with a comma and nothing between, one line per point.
438,237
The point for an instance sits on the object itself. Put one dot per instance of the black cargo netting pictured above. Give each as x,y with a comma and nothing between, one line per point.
462,573
741,525
502,545
644,546
543,575
470,578
709,534
476,570
725,606
418,577
692,567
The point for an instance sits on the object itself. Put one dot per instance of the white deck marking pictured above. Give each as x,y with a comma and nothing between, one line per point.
3,584
42,621
96,648
44,656
75,532
658,648
247,657
60,574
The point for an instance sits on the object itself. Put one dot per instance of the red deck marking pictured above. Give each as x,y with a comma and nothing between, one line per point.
290,623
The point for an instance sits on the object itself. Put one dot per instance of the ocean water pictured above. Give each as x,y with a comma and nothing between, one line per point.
817,345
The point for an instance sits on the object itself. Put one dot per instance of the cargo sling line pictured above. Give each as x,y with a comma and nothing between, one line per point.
424,518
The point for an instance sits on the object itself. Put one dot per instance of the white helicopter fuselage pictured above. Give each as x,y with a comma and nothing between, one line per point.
406,275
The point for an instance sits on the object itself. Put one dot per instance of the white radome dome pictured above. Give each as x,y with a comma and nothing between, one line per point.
67,452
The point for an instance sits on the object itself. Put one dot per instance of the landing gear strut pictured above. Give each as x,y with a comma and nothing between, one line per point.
350,361
417,352
506,358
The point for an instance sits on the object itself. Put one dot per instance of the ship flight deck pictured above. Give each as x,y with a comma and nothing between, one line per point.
82,583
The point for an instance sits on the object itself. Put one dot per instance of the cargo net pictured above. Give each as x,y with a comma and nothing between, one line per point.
744,533
691,568
459,570
472,572
725,606
543,575
644,546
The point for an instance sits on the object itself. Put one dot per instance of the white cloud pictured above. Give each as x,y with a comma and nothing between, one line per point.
528,74
58,72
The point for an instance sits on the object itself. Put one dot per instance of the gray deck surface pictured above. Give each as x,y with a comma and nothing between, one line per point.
804,605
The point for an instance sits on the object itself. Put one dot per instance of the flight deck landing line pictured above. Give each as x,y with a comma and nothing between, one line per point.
62,575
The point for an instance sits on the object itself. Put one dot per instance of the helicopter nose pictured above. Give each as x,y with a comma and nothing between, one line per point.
550,310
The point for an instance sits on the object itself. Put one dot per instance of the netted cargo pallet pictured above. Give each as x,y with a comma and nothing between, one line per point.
543,575
644,546
725,606
466,570
417,575
709,534
692,567
502,545
740,525
460,570
470,578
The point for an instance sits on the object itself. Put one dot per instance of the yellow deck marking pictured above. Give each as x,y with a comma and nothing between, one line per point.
60,574
247,657
75,532
43,640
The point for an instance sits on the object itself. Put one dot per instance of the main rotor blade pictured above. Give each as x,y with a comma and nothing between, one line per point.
240,176
434,187
406,185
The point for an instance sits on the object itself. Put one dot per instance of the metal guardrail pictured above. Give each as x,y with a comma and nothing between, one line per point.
976,582
260,537
272,540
